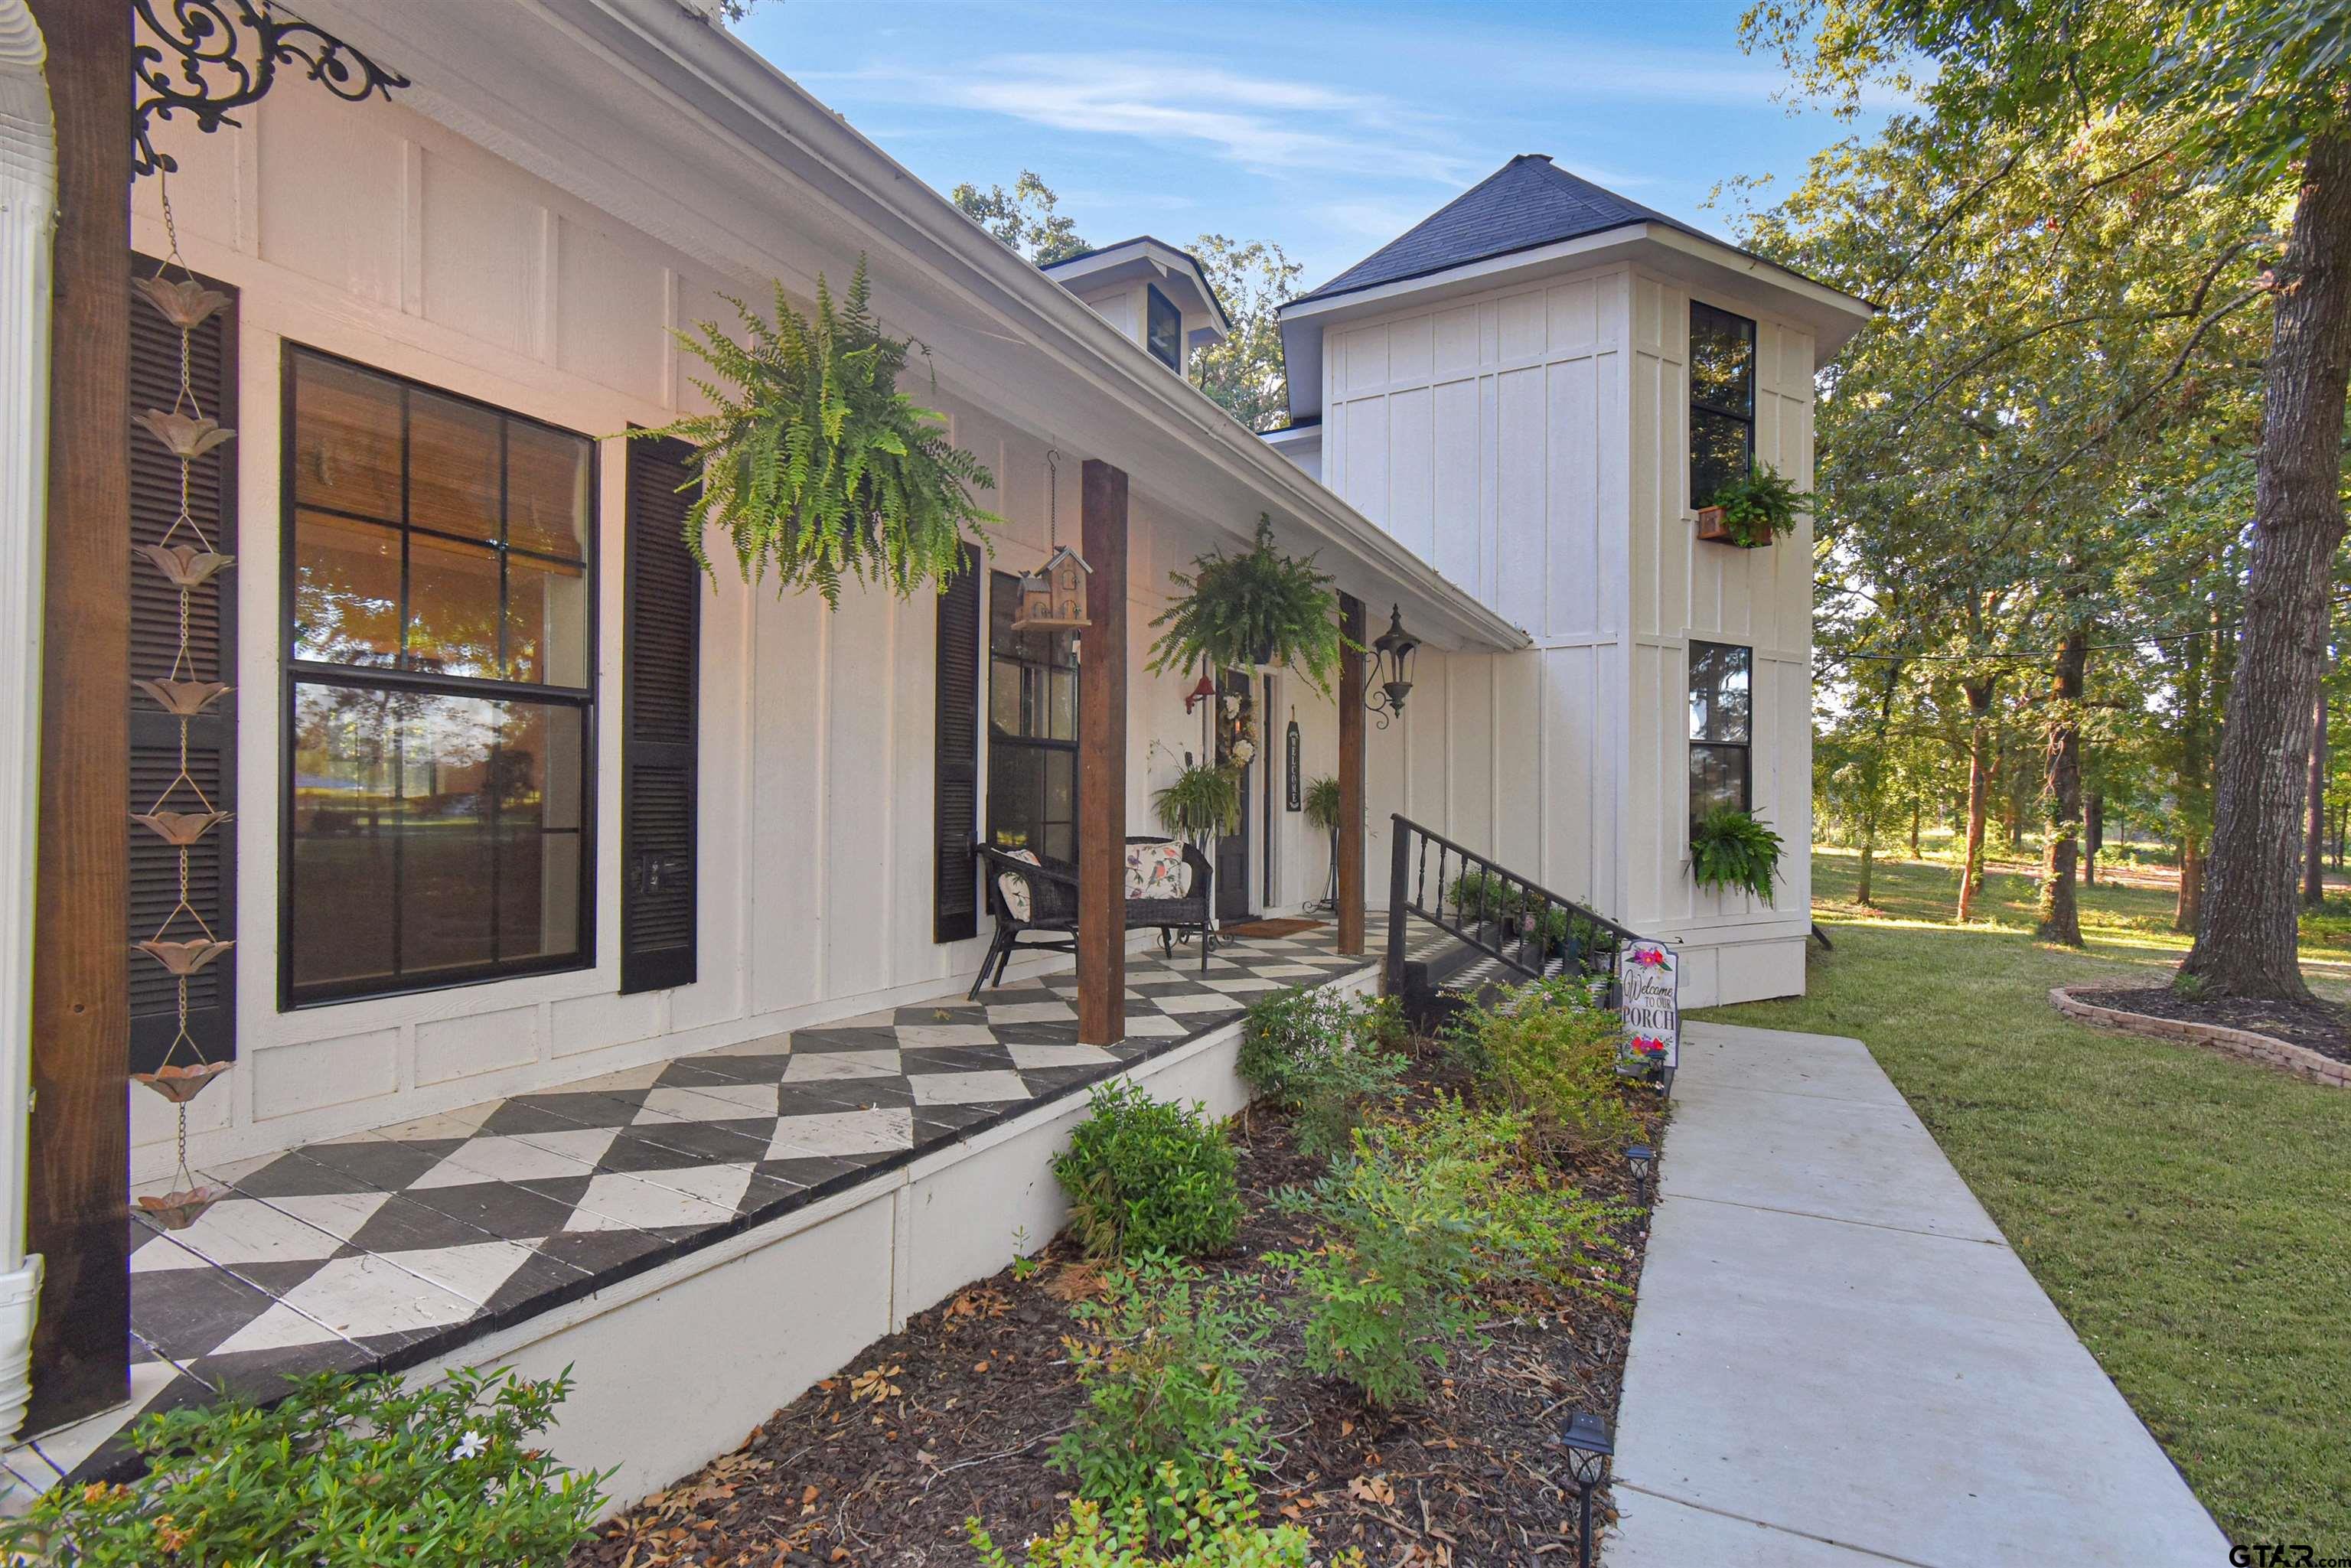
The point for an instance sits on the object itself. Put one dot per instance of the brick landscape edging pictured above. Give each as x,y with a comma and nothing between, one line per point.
2299,1060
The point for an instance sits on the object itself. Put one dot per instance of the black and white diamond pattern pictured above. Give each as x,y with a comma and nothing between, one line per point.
392,1247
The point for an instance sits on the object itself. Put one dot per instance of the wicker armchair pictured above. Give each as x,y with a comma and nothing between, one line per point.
1051,924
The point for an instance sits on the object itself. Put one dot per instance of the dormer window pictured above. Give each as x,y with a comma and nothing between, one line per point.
1164,329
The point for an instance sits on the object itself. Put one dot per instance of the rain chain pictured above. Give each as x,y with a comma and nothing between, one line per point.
182,814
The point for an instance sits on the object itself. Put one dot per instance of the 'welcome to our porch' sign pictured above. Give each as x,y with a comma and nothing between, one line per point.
1648,992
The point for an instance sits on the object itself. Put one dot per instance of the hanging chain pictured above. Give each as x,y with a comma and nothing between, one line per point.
1053,501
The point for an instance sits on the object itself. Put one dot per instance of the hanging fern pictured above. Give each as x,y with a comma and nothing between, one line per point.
813,461
1200,803
1731,849
1258,607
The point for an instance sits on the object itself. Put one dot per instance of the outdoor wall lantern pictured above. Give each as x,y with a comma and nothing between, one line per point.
1204,692
1590,1446
1392,650
1644,1161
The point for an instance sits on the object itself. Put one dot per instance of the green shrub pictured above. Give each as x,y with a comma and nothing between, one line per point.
1220,1529
345,1472
1527,1224
1391,1288
1548,1050
1160,1358
1327,1058
1144,1177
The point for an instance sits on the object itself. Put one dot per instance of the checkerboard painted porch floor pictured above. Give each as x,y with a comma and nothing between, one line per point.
392,1248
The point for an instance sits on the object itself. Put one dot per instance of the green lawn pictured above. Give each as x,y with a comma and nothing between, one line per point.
2190,1215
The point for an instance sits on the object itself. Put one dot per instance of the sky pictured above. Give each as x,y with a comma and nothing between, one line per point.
1328,129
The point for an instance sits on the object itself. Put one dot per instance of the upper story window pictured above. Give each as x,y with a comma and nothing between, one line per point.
1164,328
1722,400
1033,732
440,687
1721,727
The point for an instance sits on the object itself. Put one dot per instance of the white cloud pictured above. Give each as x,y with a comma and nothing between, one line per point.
1266,124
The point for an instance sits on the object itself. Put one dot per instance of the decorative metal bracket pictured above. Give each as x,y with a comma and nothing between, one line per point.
217,71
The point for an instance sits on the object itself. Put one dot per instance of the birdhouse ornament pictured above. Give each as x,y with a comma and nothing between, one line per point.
1053,597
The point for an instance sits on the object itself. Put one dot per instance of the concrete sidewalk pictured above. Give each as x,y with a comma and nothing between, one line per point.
1837,1360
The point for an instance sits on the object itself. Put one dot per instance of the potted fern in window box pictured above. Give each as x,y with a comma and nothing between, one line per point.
1751,512
1729,849
1259,607
812,461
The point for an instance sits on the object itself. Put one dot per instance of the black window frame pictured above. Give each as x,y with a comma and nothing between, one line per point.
1702,741
1699,405
1154,304
294,673
1004,588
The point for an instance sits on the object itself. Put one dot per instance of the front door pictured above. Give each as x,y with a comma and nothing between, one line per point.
1238,745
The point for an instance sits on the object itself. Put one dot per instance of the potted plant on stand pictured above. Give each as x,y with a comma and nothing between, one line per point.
1322,808
1751,512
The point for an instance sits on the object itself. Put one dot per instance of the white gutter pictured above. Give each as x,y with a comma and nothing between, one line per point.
29,212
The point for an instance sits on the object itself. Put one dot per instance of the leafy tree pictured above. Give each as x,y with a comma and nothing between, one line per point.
1244,373
1027,218
2218,99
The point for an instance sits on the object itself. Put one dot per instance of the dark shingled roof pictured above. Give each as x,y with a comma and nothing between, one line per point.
1526,202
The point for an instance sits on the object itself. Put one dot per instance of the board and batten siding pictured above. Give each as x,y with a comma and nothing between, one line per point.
1531,442
371,232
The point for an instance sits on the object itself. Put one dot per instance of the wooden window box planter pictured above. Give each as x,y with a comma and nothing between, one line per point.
1714,529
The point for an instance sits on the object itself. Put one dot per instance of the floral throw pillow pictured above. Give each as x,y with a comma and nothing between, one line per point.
1014,890
1157,871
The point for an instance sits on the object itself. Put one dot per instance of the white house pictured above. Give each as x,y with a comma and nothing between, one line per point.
597,935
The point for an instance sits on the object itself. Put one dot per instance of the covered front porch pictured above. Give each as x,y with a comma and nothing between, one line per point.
478,1233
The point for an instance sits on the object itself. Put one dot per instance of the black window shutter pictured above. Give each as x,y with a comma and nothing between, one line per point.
954,913
660,684
211,647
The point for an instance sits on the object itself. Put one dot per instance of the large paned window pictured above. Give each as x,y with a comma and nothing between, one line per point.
1033,732
440,688
1164,328
1722,401
1721,727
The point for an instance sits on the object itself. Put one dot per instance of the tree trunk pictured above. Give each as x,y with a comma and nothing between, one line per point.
1979,770
2246,942
2060,920
1861,888
1916,808
2093,835
2314,856
2192,787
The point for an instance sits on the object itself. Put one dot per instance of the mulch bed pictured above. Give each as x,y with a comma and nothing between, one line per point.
2322,1027
881,1464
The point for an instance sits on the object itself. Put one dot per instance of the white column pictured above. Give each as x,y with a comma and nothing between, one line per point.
28,210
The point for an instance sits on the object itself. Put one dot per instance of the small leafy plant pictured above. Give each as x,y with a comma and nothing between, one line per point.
1260,606
1160,1356
1202,802
1529,1223
812,460
1220,1529
1729,848
1546,1052
1323,1057
344,1472
1390,1290
1146,1175
1322,804
1759,507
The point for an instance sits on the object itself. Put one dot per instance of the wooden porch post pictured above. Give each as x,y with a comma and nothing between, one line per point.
80,1136
1102,763
1351,778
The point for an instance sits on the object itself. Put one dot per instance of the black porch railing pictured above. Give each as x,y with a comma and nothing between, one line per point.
1525,928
